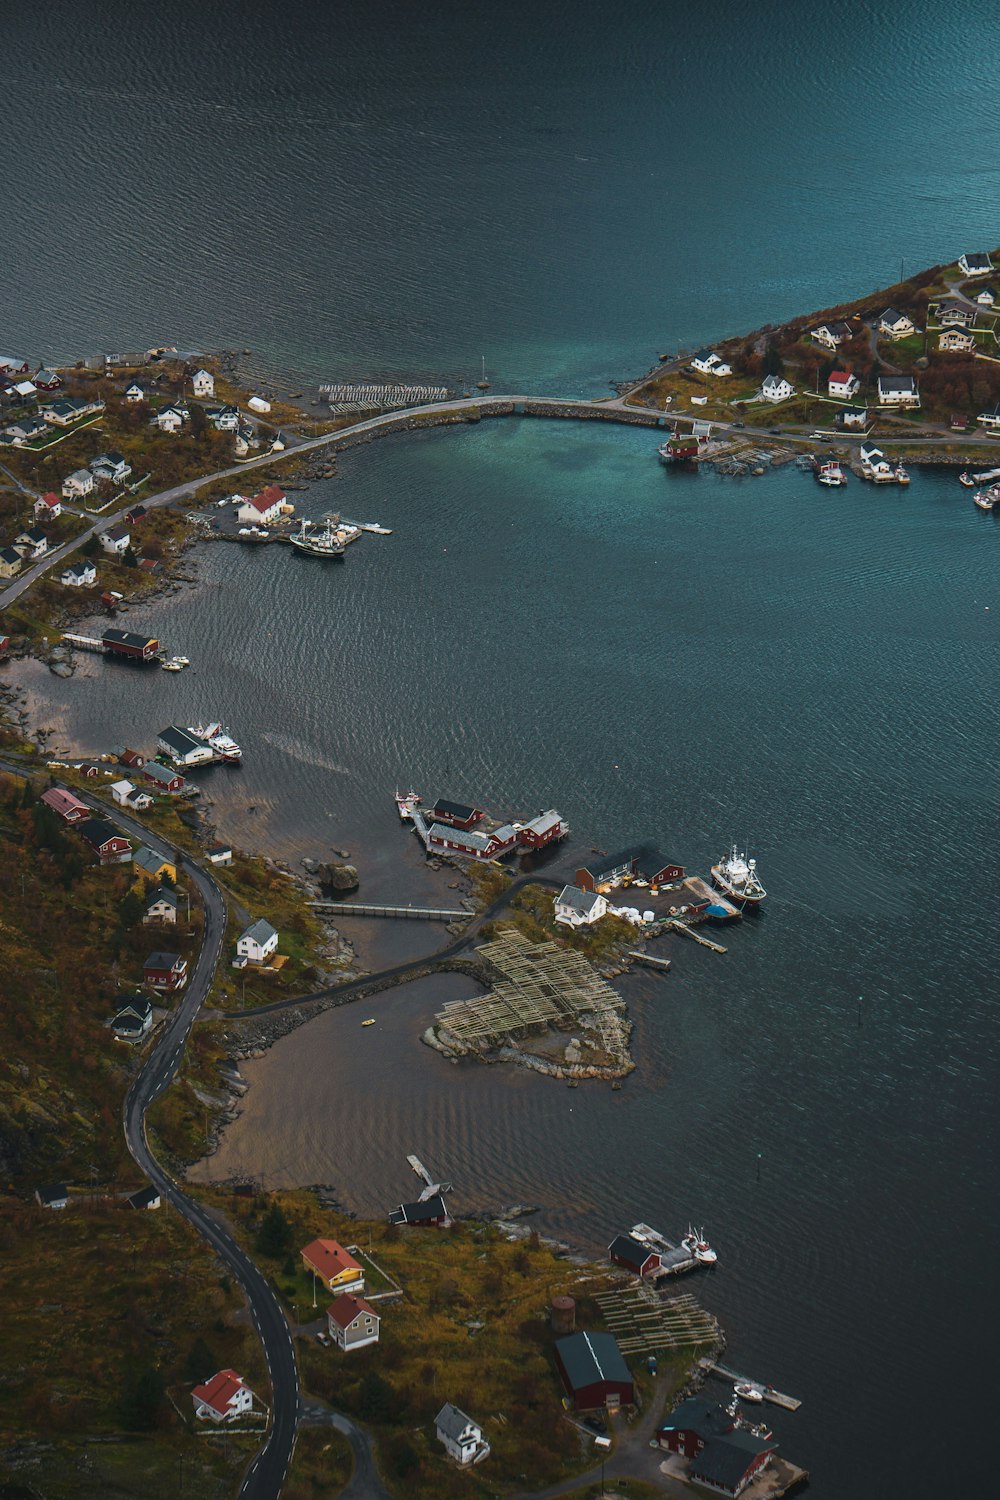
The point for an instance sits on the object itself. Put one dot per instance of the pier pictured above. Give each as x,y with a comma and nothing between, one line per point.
82,642
360,909
777,1398
672,924
648,958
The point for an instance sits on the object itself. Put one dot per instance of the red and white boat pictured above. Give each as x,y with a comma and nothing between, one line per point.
987,499
737,877
830,473
405,803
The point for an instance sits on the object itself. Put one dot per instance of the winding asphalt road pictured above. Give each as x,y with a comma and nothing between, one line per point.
265,1475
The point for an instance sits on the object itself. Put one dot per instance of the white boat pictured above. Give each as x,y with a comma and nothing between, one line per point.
322,542
987,499
219,739
748,1392
172,665
986,477
737,877
698,1247
405,803
901,475
831,474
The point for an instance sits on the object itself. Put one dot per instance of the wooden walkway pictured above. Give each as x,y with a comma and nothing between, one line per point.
777,1398
360,909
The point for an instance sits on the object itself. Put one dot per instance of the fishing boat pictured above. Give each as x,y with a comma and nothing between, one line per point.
737,877
698,1247
219,739
971,480
747,1391
405,803
318,543
831,473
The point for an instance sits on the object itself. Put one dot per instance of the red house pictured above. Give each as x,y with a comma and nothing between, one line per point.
70,808
543,830
163,777
132,759
693,1424
633,1255
723,1457
47,380
456,814
593,1371
471,844
107,843
642,861
4,644
165,971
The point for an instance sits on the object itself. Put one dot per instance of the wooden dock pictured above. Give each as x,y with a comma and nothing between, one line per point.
673,924
777,1398
359,909
648,958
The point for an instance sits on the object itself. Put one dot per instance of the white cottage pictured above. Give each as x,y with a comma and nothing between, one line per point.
976,265
577,908
898,390
222,1398
79,575
776,388
81,482
135,394
203,383
258,942
461,1436
895,325
842,384
170,419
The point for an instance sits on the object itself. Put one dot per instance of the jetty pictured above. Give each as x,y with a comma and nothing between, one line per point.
673,924
364,909
776,1398
648,958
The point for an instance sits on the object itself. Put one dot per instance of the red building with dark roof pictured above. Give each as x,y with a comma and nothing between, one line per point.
456,814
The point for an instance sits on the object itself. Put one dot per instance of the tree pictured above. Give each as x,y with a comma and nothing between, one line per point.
200,1363
772,363
131,910
274,1237
141,1399
376,1402
130,560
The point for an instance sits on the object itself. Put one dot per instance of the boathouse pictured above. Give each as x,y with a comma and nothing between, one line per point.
728,1464
430,1213
593,1371
127,643
543,830
693,1424
641,860
183,747
633,1255
456,814
69,808
163,778
471,844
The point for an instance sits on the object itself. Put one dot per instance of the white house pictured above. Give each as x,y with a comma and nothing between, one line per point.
263,507
898,390
709,363
121,791
895,325
956,341
831,335
110,466
54,1196
990,419
776,388
70,409
162,908
25,430
226,419
170,419
79,575
461,1436
352,1322
222,1398
134,1020
843,384
258,942
33,543
220,854
203,383
853,416
954,314
138,800
48,505
81,482
576,908
986,297
135,393
976,265
116,540
875,462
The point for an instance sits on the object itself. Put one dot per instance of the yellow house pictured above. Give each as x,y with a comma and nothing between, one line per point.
10,562
150,868
336,1267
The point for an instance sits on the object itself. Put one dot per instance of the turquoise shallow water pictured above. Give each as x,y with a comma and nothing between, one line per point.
559,620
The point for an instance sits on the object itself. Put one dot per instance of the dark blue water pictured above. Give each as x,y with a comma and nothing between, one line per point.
557,620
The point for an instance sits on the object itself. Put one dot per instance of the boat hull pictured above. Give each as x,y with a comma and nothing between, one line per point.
734,894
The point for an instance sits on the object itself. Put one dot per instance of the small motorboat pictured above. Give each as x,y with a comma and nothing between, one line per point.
370,1021
747,1391
901,475
966,479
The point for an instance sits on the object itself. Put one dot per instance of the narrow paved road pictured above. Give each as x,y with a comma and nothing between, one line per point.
266,1473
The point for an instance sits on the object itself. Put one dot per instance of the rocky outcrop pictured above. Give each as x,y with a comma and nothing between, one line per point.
339,878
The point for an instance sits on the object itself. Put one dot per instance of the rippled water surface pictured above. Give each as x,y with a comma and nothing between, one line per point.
570,190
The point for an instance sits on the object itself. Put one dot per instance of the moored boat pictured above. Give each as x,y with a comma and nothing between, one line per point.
220,740
966,479
699,1248
737,877
987,499
405,803
318,543
747,1391
902,477
830,473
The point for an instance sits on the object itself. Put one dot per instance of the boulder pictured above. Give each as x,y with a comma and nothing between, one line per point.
338,877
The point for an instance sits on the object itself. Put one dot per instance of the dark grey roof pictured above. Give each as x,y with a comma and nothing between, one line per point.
419,1213
646,859
127,638
162,893
581,901
97,831
627,1248
36,535
260,931
179,739
162,774
453,1422
703,354
706,1418
55,1192
893,315
454,809
725,1460
897,383
979,261
10,556
144,1197
162,960
591,1357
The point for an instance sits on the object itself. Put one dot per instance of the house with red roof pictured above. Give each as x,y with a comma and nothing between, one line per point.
843,385
263,507
69,808
353,1324
48,505
222,1398
336,1267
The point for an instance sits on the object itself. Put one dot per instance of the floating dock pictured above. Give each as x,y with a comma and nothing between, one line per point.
776,1398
